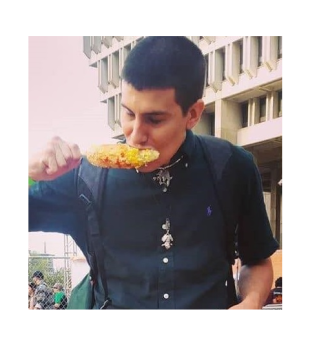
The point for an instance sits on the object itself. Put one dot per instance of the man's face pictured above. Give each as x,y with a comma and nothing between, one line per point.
152,119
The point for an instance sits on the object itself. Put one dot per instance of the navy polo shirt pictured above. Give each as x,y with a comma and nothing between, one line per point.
141,273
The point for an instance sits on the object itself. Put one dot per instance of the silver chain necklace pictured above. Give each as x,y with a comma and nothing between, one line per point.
163,176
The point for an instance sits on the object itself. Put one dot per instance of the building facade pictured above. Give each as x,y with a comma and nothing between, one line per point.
243,98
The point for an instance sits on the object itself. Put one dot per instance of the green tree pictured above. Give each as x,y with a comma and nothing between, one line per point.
45,265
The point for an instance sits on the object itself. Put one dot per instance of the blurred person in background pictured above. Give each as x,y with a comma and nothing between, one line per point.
43,293
276,294
60,298
31,293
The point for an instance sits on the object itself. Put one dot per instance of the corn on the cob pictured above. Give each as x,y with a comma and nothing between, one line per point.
120,156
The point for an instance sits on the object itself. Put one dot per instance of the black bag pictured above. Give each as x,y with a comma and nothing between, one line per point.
81,295
90,184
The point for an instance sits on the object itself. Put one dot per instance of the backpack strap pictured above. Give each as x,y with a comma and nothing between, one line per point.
220,155
90,184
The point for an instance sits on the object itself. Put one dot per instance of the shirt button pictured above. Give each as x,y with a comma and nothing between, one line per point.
165,260
166,295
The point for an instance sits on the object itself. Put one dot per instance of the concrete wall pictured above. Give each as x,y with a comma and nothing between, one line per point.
79,268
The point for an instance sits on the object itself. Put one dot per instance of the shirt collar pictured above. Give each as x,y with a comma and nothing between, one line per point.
187,147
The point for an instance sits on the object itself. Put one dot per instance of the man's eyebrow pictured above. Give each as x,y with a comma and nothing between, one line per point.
151,113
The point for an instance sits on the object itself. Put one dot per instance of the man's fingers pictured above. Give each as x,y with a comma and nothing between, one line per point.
61,156
72,155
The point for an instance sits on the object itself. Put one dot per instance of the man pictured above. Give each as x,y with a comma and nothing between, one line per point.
163,240
43,294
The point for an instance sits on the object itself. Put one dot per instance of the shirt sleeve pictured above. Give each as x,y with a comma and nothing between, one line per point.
54,207
255,237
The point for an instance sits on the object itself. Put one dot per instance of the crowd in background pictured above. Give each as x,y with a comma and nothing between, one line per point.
41,296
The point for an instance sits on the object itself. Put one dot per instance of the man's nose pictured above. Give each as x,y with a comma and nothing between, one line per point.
139,133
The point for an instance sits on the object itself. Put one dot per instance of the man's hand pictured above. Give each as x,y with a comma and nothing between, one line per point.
55,160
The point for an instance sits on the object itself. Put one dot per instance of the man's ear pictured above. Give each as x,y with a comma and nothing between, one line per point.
195,113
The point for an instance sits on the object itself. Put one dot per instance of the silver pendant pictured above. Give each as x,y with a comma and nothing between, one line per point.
163,177
167,238
167,241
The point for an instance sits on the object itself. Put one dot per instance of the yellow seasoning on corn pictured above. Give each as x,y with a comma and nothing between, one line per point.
120,156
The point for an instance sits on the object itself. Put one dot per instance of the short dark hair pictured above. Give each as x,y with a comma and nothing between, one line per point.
278,282
38,274
160,62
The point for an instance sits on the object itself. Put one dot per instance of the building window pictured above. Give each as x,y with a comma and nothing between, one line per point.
241,56
125,52
220,64
114,69
103,74
259,51
244,114
263,103
207,70
206,125
280,50
114,111
211,118
279,96
96,44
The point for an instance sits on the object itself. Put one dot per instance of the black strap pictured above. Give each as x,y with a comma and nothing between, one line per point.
91,180
218,153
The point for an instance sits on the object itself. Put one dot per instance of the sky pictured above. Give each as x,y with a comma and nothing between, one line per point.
64,101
